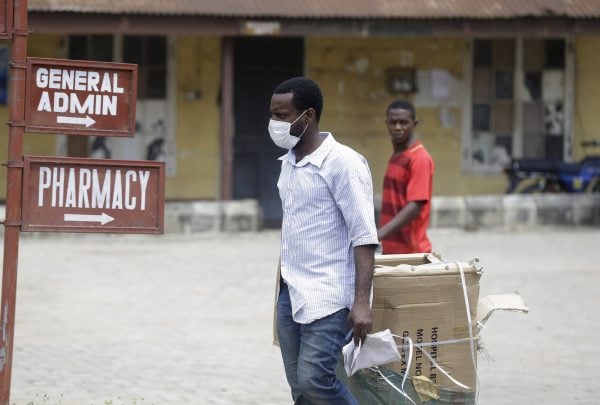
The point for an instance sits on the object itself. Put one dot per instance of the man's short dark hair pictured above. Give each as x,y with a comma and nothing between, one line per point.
403,105
306,94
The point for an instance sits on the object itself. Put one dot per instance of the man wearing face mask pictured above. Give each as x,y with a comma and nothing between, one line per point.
328,238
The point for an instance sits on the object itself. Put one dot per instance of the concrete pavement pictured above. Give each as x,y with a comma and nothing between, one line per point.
186,319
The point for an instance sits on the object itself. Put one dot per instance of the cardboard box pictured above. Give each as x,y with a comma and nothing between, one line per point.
421,297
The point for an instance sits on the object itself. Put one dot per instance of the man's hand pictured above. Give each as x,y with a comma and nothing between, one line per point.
361,321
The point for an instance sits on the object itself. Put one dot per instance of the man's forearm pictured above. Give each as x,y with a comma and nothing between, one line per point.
360,318
364,257
403,218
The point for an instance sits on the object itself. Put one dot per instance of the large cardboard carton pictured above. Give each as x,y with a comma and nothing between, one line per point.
422,298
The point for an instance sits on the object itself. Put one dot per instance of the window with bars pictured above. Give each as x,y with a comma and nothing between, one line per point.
493,98
543,98
510,81
150,54
91,47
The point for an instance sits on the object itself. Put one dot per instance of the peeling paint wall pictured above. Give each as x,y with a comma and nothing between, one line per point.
352,74
197,111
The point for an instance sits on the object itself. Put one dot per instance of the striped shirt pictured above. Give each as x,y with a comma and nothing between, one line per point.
327,201
409,177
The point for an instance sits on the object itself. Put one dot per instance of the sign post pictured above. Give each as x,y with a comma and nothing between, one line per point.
80,97
14,165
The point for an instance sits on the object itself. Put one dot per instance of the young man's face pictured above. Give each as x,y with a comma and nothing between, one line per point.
400,126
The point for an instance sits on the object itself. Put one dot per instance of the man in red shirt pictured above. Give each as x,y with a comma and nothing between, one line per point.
407,186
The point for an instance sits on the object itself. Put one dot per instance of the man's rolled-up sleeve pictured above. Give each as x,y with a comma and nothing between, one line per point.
353,193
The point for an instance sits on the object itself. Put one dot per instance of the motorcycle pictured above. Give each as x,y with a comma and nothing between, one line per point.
555,176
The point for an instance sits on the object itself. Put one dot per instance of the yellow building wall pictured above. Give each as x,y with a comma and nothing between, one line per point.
42,46
351,73
197,112
587,94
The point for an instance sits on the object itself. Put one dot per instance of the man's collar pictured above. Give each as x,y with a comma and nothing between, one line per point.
317,156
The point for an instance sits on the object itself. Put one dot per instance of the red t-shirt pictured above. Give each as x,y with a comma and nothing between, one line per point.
409,177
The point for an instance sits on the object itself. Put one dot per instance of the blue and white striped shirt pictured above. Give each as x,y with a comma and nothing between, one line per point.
327,201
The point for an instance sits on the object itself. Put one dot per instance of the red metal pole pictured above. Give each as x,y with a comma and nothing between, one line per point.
12,223
227,119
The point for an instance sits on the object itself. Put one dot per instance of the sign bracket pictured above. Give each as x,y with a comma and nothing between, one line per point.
14,163
18,65
11,222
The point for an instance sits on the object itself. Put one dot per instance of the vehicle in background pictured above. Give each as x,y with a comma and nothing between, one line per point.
555,176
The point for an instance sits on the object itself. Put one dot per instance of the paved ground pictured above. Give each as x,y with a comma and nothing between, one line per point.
104,319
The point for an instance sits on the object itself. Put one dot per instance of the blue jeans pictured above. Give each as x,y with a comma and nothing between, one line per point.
310,354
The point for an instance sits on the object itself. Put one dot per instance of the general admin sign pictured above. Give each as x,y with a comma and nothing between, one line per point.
80,97
92,195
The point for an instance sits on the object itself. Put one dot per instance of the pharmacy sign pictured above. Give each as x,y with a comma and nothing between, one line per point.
92,195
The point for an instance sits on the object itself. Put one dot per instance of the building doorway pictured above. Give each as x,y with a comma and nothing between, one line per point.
260,64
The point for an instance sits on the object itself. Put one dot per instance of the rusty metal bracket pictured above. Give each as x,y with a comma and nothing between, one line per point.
11,222
21,32
18,65
14,163
19,123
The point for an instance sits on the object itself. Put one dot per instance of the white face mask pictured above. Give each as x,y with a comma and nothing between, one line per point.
280,133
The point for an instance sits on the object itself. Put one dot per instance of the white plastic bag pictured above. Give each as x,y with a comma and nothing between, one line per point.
377,349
